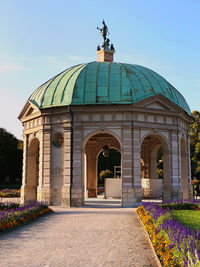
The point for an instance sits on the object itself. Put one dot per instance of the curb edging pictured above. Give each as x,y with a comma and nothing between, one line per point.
150,242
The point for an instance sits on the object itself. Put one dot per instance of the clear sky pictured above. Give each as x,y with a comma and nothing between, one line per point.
40,38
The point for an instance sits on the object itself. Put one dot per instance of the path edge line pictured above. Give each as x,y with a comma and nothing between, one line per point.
150,242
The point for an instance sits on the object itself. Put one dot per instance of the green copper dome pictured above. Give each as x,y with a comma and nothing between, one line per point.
99,83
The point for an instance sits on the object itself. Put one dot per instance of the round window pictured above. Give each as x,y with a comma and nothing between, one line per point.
57,140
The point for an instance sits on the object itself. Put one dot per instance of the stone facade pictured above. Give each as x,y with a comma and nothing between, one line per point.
60,169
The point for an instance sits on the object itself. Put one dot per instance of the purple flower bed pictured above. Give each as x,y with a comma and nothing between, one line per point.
8,205
184,240
17,215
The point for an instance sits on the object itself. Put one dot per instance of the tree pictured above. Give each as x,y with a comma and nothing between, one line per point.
11,153
195,145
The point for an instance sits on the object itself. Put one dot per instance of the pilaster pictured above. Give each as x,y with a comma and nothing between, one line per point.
131,191
24,170
40,180
176,188
67,167
91,169
77,193
137,166
46,188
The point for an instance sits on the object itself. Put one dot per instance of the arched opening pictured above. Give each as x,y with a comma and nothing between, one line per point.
108,166
184,170
155,171
102,161
33,169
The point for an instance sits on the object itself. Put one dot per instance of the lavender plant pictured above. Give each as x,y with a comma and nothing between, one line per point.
184,241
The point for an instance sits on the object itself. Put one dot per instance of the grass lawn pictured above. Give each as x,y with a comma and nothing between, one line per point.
188,218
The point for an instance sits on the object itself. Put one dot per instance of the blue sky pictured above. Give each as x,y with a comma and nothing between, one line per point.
40,38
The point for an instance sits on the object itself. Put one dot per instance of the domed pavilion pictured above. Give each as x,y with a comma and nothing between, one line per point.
70,119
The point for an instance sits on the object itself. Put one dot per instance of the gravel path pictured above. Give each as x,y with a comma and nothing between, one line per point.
79,237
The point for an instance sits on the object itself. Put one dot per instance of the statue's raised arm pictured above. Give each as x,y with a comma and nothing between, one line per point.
104,31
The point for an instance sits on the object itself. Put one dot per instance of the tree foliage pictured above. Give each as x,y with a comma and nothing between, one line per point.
11,153
195,145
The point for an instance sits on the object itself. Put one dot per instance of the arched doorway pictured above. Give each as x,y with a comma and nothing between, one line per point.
109,166
33,169
155,169
184,170
94,149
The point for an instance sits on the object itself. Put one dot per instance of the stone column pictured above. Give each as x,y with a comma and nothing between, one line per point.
167,175
129,192
137,167
67,167
91,169
77,193
24,170
40,180
176,193
46,188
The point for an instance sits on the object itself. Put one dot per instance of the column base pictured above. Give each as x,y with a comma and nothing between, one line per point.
23,194
131,197
28,193
76,197
46,195
177,194
39,193
190,192
66,196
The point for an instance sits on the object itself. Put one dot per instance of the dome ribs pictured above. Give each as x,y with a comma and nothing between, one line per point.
50,91
103,83
57,94
90,83
66,99
136,82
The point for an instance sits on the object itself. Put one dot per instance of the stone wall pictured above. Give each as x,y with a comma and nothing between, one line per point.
113,188
152,188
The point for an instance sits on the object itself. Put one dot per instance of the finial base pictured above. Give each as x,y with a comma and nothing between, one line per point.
105,55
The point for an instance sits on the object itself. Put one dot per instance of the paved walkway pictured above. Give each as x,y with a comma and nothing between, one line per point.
79,237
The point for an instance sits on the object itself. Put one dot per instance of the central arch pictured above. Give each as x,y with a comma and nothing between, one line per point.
154,145
93,148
